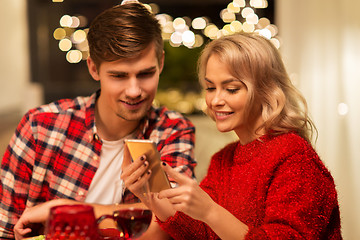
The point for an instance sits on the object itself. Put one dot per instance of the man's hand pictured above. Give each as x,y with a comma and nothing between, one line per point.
36,214
135,175
136,178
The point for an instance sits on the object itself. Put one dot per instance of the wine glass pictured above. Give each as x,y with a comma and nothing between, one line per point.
132,222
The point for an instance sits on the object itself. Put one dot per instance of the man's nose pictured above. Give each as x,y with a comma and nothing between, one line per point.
133,89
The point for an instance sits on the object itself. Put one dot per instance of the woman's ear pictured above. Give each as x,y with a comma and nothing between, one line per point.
93,70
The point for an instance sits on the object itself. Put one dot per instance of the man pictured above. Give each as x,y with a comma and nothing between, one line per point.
71,151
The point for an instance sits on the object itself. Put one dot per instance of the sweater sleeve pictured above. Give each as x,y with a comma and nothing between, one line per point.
301,201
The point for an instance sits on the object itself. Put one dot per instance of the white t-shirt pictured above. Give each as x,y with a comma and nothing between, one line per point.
106,186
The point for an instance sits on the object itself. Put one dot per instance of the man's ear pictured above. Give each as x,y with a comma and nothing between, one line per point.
93,69
162,61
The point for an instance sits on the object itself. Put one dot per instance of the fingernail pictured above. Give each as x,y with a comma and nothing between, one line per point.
164,163
142,158
148,172
145,164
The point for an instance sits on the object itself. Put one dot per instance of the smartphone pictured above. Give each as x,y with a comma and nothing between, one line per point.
137,147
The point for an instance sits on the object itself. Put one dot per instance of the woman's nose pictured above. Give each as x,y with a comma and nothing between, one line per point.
217,99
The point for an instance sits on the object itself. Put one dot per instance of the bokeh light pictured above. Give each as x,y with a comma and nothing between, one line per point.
236,26
234,8
227,16
248,27
65,45
239,15
239,3
259,3
66,21
179,23
176,38
74,56
343,109
75,22
188,38
79,36
199,23
59,33
246,11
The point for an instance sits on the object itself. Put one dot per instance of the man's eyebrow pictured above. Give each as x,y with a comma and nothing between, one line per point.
117,72
114,72
153,68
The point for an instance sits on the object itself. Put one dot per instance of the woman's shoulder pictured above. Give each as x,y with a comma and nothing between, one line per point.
289,143
293,151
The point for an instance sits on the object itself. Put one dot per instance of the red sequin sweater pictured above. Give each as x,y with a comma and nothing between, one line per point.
277,186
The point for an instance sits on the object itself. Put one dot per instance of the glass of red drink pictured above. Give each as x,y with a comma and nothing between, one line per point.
71,222
132,222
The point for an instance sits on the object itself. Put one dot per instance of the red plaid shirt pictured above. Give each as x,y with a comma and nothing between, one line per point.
55,153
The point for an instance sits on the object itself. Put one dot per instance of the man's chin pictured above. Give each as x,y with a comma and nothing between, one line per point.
133,115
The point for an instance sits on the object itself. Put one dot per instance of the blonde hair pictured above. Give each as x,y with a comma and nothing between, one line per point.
254,60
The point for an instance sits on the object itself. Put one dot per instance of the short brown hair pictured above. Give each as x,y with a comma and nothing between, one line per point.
123,31
255,61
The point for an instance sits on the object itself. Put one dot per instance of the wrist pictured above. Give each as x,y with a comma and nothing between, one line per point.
212,214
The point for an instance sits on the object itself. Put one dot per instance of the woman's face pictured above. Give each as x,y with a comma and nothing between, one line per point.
226,97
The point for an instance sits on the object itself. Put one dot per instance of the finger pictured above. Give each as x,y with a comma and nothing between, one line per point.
138,185
22,232
170,193
130,179
180,207
178,177
178,199
130,169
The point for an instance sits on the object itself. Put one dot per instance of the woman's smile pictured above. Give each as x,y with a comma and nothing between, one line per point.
221,115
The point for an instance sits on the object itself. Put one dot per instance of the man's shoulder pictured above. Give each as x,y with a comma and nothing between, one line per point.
61,106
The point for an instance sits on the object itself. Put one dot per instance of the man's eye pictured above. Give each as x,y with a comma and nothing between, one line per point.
118,76
145,74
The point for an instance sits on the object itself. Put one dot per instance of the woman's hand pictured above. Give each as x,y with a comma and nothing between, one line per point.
188,197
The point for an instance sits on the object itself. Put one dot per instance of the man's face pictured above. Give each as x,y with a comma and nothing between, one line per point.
128,86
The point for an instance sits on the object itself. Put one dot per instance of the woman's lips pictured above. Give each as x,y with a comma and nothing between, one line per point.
222,115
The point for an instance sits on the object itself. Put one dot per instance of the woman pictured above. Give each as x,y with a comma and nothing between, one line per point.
270,184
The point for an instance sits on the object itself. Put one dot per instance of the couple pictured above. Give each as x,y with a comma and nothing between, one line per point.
270,184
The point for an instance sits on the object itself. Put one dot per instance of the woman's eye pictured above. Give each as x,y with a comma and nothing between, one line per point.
209,89
232,90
